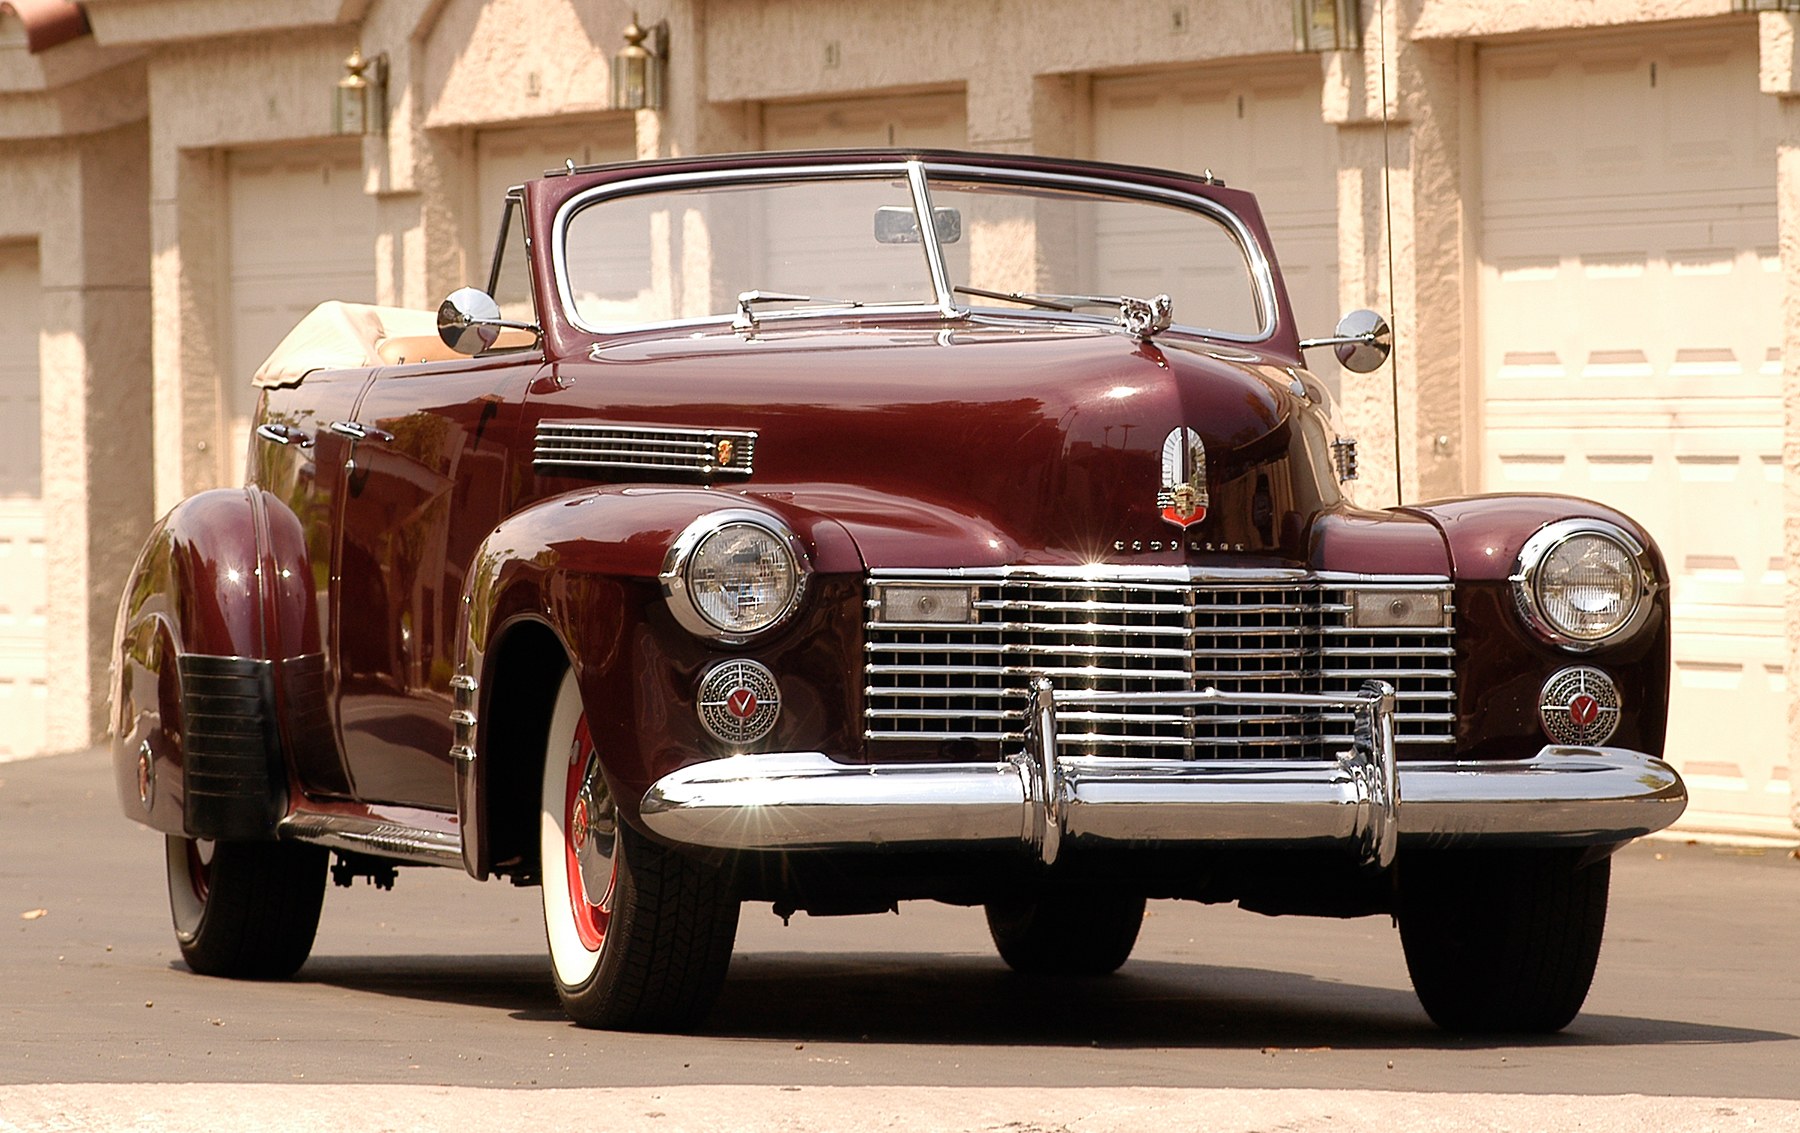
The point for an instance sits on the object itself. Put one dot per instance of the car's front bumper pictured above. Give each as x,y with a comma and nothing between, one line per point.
1365,800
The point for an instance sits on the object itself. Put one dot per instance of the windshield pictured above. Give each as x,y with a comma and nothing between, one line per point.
1046,245
747,249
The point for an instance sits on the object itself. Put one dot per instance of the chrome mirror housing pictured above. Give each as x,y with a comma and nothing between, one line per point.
1362,343
469,321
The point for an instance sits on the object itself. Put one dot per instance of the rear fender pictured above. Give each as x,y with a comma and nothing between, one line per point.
219,595
572,581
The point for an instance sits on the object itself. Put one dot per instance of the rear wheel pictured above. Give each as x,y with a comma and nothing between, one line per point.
1060,935
1502,940
640,936
247,910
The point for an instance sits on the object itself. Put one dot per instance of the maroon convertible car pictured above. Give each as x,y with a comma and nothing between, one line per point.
832,530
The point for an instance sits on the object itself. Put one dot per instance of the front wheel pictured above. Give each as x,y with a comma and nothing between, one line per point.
640,936
1064,934
1501,941
246,910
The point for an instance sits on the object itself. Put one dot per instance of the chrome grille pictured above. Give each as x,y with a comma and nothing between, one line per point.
639,449
1160,630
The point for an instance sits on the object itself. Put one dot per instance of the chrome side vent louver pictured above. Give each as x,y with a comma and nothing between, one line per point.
573,447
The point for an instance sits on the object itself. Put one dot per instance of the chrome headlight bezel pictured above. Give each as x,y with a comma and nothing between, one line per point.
677,586
1528,568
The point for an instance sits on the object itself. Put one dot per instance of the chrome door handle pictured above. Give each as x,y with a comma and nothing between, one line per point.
284,435
357,431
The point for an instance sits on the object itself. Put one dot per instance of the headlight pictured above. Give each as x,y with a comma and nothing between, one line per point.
1582,583
733,574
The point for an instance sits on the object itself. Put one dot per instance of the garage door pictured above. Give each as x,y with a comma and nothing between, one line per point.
1259,130
921,121
504,158
1631,331
301,231
22,581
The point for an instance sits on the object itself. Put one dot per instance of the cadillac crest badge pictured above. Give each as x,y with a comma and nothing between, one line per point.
1183,498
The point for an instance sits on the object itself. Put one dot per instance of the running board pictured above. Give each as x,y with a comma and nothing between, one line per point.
378,837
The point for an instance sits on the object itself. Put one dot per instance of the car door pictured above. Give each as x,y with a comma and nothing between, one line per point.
426,477
297,456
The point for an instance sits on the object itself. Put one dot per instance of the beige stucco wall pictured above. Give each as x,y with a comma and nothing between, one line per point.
1779,35
209,98
93,359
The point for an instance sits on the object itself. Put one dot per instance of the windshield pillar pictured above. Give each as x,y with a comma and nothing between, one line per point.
934,252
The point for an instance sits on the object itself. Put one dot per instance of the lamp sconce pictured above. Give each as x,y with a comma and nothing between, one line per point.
1327,25
361,105
638,70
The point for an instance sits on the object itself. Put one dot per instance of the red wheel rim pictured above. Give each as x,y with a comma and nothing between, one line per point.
588,840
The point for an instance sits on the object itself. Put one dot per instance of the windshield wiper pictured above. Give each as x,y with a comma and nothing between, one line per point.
1142,317
1048,302
746,301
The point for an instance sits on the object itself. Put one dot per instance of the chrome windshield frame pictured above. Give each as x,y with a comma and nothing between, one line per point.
860,171
918,175
934,251
1256,259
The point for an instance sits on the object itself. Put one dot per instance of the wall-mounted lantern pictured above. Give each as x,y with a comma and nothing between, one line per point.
1327,25
361,106
638,70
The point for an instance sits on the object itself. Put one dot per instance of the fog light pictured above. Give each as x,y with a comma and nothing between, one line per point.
1580,706
739,702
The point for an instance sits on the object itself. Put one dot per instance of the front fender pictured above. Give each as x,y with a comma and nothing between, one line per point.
578,574
1502,665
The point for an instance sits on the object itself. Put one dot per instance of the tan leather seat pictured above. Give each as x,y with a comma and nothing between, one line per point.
415,348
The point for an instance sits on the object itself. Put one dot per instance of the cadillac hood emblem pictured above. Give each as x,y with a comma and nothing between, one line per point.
1183,498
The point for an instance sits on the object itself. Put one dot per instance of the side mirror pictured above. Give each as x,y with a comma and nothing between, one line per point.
1362,343
469,321
896,224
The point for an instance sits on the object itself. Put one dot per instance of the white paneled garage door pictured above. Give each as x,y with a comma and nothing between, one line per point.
1260,130
22,582
1631,331
301,231
921,121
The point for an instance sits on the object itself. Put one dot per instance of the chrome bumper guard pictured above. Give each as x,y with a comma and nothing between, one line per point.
806,801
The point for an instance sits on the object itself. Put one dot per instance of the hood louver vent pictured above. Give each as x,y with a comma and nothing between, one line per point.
572,447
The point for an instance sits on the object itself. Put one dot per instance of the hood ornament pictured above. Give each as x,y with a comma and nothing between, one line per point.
1183,498
1146,317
